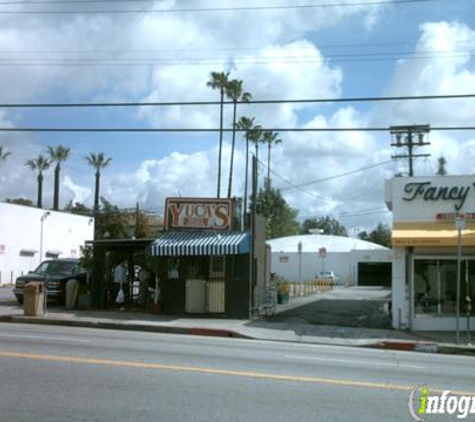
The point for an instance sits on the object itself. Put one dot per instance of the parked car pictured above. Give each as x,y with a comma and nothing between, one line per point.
328,275
57,272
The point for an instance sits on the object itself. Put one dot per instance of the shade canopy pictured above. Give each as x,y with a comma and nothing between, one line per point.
432,234
199,243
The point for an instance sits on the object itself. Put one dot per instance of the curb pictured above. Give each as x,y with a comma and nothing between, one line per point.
401,345
411,346
210,332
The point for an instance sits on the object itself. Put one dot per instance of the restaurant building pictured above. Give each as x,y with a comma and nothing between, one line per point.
426,232
206,263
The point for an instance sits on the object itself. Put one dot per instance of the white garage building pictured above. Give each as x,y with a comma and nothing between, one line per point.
28,235
354,261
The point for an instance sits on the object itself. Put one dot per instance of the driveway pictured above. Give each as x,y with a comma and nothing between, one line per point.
365,307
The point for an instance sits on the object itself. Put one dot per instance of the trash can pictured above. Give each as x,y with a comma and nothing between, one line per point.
33,299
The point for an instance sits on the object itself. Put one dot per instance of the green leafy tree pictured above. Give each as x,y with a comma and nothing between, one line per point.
110,222
58,155
281,218
142,229
78,208
327,224
270,138
235,92
251,133
40,164
3,156
381,235
20,201
98,162
219,81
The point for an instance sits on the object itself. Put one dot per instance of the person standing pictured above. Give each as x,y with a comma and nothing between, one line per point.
120,274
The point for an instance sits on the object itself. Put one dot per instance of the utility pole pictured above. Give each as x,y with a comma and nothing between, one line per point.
137,212
405,137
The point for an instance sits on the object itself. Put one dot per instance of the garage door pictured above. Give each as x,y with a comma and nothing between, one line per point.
374,274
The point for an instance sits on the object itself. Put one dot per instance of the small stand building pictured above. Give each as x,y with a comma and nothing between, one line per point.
205,263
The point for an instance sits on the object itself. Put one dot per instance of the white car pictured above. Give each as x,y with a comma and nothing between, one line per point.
328,275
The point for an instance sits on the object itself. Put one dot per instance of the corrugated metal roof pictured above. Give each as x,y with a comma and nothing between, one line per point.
201,243
313,242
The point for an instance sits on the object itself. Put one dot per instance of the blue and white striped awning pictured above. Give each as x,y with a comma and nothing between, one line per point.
201,243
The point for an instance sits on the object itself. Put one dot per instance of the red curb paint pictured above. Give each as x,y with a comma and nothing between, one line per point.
212,332
397,345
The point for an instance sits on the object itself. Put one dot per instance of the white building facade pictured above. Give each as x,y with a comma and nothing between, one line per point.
29,235
426,275
344,256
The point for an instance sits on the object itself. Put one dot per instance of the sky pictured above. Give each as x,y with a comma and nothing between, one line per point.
89,51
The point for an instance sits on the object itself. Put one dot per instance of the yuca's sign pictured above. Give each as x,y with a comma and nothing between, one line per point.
198,213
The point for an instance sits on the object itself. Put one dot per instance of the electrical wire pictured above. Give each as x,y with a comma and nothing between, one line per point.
337,176
211,130
210,103
212,9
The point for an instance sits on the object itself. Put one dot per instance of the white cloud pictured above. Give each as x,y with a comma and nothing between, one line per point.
74,191
440,65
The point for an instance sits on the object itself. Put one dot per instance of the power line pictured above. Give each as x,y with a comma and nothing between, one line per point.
337,176
287,60
203,103
210,9
210,130
209,49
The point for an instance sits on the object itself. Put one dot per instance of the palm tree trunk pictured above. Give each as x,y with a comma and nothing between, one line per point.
268,165
39,202
96,192
56,188
220,141
232,151
244,210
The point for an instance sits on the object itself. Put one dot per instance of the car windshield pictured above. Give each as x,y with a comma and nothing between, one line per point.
51,267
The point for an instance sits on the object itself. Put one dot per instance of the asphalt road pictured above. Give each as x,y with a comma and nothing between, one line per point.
353,307
76,374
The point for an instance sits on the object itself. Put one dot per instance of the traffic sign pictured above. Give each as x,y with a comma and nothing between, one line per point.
322,252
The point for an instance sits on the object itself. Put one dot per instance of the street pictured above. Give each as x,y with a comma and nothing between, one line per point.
60,373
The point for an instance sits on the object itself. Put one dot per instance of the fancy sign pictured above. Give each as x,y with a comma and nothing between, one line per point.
427,192
198,213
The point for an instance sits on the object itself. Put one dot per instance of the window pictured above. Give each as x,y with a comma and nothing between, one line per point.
217,267
435,285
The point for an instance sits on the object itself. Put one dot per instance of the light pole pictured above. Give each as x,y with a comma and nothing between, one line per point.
299,251
459,224
45,284
42,220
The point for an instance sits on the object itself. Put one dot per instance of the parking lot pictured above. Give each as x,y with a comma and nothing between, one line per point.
365,307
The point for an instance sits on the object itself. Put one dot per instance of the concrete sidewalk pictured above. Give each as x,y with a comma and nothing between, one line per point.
262,329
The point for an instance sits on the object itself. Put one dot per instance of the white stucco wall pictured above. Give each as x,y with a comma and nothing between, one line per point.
20,230
343,256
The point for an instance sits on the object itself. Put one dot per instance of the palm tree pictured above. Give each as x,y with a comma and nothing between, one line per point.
251,133
99,162
270,138
57,155
40,164
219,80
3,156
235,93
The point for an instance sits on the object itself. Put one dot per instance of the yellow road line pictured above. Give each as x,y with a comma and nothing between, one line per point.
256,375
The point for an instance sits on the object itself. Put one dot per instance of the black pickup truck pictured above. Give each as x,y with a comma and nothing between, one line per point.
57,272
